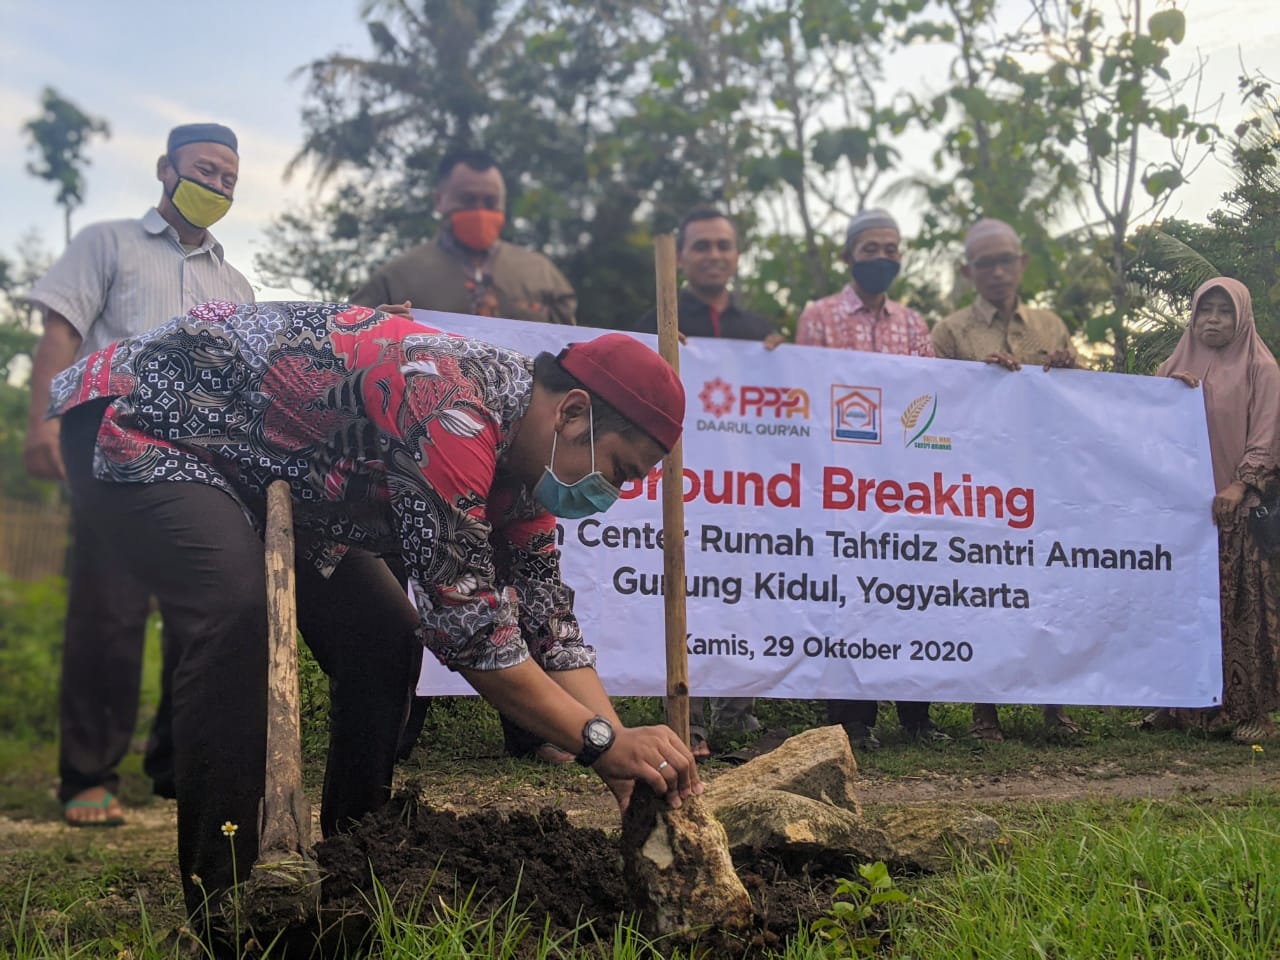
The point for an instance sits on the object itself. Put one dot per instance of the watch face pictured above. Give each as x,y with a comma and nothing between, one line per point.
599,733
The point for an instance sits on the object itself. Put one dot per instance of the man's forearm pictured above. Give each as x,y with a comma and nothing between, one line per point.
548,708
584,686
55,352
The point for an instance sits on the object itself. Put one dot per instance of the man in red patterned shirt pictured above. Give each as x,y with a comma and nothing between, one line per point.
452,454
862,317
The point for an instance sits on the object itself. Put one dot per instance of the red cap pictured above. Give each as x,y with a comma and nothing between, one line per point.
632,379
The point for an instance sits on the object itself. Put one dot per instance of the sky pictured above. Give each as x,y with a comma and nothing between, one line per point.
147,65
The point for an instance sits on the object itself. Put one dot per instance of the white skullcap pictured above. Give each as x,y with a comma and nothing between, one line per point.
876,218
989,228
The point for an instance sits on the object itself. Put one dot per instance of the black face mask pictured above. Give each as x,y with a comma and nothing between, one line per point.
875,276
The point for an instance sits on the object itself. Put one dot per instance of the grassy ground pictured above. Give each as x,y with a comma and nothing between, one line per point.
1121,844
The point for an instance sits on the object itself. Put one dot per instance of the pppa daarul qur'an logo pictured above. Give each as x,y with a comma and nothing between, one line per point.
783,410
717,397
916,421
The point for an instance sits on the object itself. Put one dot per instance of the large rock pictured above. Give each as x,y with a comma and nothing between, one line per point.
799,803
799,829
817,764
678,871
795,829
927,838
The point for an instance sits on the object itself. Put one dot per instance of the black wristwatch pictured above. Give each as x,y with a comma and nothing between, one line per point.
597,737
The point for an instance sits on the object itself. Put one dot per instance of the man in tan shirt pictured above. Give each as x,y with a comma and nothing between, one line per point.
466,268
1000,329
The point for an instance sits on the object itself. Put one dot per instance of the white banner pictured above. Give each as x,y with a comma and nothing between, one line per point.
881,527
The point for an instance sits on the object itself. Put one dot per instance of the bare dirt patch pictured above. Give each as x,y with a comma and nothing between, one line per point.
549,868
1101,782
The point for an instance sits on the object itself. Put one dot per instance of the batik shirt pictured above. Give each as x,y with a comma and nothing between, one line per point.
843,320
390,436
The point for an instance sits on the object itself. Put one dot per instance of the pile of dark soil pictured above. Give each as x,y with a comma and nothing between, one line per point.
554,870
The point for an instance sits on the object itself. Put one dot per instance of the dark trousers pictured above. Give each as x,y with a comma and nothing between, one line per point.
913,716
102,653
190,545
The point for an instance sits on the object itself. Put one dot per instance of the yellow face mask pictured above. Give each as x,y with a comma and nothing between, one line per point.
198,205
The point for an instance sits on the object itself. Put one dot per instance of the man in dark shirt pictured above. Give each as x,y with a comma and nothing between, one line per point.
707,253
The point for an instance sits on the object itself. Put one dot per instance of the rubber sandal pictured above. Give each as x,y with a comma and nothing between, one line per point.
1162,719
1253,731
769,740
104,804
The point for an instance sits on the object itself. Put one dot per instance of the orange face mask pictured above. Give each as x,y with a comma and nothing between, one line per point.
477,229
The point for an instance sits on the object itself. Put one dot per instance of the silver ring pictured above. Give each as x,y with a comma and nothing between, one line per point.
663,764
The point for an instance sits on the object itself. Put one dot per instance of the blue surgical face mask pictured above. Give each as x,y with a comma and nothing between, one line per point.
572,501
875,276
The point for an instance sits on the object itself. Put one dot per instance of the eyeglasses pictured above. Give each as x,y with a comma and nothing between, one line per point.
1004,262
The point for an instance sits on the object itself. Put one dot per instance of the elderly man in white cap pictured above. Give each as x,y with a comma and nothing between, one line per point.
998,328
862,317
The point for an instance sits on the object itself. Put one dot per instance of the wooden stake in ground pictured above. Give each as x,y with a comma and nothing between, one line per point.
664,248
283,887
676,861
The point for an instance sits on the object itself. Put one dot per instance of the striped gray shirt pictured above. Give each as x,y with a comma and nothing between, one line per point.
119,278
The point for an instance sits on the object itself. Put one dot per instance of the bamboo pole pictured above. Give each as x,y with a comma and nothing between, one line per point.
664,248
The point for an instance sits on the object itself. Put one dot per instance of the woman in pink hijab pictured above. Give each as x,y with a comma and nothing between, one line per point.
1221,349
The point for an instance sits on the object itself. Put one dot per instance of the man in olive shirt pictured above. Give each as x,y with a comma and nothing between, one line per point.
1000,329
707,254
466,268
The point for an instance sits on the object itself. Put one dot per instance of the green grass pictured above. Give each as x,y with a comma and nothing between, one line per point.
1101,878
1135,881
1105,879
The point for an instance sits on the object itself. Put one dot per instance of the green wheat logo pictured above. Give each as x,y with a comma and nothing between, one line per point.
911,416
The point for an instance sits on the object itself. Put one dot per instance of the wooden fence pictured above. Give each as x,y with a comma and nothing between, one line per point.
33,539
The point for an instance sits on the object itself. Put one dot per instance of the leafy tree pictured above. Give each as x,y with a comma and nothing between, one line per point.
328,249
1000,154
823,130
1121,92
60,135
610,120
18,336
535,83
